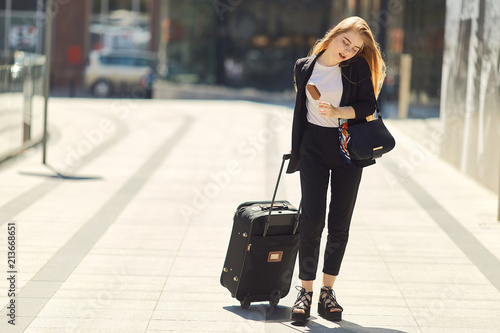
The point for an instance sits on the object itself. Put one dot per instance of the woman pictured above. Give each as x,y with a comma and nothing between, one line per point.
347,68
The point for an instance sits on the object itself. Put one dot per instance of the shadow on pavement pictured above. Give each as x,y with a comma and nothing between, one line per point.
348,326
57,175
281,314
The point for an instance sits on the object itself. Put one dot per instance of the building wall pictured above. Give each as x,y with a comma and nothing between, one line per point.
470,100
70,42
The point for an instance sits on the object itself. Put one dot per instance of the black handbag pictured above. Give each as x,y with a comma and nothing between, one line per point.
369,140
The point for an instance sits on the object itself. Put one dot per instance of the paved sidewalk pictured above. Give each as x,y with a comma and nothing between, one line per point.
127,228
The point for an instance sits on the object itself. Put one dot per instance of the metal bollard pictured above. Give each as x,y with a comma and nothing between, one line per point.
404,85
28,89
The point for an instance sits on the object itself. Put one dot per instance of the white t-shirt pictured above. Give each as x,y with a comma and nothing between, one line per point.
328,80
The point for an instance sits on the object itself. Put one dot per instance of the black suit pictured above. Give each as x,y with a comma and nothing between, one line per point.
361,98
316,152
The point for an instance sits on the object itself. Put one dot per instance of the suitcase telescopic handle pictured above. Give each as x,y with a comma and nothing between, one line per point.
268,221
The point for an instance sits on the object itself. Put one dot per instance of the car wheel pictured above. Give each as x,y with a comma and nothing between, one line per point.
102,88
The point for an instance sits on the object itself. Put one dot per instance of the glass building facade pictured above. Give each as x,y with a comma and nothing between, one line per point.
120,24
255,43
241,43
22,25
21,75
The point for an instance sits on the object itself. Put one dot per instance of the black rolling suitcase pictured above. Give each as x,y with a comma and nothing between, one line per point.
262,249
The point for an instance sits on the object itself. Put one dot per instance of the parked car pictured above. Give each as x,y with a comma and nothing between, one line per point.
113,72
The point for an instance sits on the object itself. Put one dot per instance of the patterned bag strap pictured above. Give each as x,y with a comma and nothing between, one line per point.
344,136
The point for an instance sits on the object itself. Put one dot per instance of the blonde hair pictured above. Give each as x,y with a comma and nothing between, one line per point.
370,49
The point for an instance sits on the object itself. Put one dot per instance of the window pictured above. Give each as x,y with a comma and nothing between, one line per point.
22,5
124,61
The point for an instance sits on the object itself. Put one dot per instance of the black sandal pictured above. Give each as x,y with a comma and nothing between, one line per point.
303,303
327,303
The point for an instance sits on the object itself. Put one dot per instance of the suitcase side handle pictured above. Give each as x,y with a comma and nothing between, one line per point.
268,221
275,206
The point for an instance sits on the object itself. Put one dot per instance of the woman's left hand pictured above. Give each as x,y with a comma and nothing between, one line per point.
327,110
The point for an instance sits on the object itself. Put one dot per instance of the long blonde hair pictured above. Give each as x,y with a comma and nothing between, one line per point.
370,49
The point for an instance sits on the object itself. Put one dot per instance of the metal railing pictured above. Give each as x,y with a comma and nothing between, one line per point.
21,102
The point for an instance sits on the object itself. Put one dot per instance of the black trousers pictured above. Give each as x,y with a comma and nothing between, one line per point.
320,164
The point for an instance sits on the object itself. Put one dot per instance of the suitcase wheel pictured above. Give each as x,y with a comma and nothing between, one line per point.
273,303
245,304
275,299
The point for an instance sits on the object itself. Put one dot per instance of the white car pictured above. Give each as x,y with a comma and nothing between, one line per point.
117,72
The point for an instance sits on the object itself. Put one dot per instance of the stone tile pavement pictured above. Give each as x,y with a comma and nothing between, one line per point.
126,228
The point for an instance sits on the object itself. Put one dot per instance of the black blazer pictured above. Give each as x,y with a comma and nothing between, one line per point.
358,93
